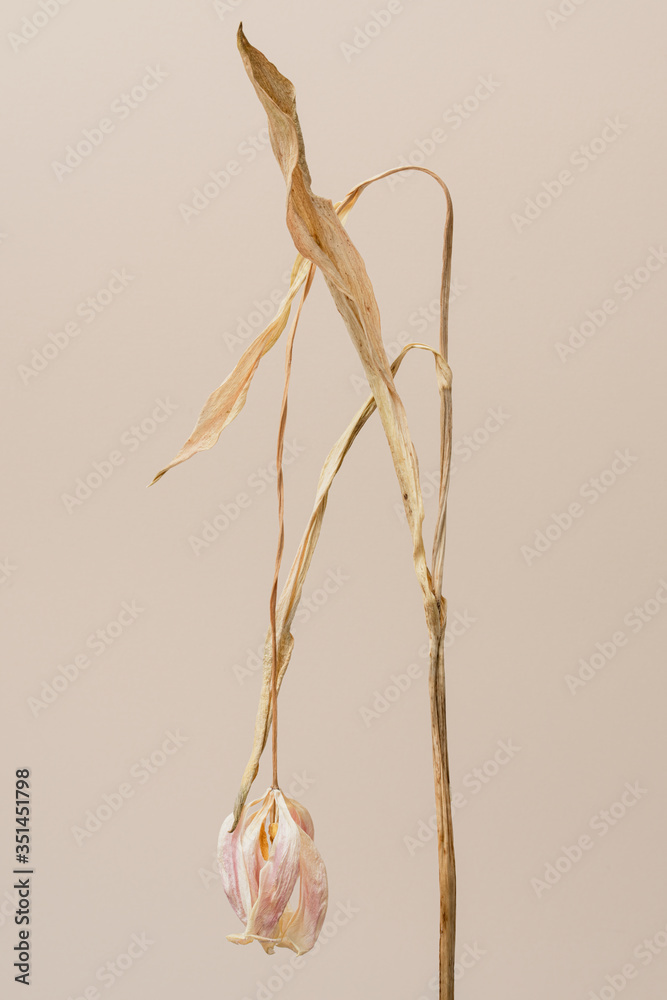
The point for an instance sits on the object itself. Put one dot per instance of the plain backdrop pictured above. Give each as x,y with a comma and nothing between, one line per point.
143,240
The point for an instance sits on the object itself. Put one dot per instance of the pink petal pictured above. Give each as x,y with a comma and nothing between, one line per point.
232,865
301,928
277,877
301,816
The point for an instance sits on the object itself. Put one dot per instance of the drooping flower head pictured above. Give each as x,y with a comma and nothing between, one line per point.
261,862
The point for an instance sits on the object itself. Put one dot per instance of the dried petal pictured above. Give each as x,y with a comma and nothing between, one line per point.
301,816
252,844
232,865
278,875
300,929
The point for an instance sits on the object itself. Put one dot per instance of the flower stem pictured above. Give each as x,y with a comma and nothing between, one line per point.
280,487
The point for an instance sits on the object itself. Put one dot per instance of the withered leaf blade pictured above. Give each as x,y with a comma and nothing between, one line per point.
320,237
227,401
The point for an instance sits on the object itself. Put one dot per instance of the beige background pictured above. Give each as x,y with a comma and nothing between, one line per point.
524,621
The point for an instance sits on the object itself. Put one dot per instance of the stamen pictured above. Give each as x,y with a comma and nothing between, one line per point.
264,843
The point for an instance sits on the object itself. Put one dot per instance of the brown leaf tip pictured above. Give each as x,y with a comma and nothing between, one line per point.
158,477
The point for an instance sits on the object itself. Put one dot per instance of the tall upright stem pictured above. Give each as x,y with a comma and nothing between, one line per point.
446,864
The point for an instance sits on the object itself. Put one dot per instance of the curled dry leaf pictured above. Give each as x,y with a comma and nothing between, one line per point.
226,402
319,237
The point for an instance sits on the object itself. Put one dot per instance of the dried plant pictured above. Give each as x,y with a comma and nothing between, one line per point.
265,847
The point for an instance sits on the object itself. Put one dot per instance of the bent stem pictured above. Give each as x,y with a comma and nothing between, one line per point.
437,696
280,489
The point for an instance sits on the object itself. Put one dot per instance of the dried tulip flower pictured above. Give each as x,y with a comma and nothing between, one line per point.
261,861
266,847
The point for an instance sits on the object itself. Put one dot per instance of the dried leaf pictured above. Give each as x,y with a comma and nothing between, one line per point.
319,237
227,401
